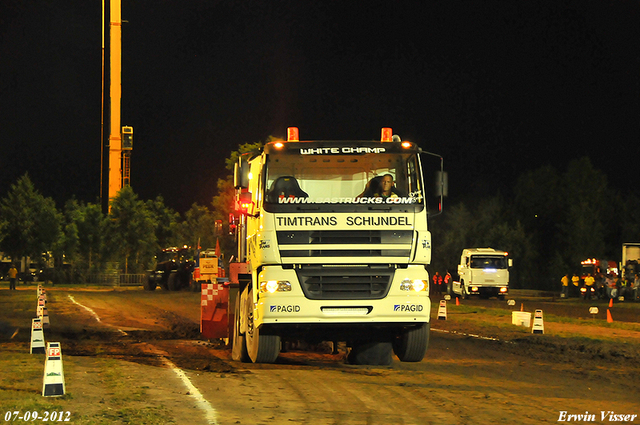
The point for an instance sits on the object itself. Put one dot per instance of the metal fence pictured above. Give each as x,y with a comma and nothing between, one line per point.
117,279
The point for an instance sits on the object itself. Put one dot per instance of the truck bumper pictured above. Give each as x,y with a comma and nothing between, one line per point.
399,307
488,291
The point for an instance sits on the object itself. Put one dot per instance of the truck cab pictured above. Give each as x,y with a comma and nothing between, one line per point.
483,272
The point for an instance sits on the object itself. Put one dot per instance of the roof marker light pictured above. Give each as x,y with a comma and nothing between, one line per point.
387,134
278,145
292,134
406,145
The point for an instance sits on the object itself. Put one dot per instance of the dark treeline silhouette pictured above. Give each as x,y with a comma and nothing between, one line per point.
549,222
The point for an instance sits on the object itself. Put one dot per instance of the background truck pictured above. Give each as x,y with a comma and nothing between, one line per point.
483,272
630,260
596,267
173,271
327,253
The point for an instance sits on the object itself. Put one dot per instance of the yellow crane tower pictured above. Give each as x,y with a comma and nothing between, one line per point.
119,153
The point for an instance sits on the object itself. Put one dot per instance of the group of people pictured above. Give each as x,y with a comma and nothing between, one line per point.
602,286
440,283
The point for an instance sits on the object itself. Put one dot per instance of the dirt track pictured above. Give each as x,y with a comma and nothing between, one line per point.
521,378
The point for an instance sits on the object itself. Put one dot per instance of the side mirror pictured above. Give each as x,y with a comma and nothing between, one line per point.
442,183
241,173
510,262
438,188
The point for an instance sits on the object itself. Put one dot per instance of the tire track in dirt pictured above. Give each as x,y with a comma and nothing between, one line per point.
420,407
210,413
303,396
327,398
462,380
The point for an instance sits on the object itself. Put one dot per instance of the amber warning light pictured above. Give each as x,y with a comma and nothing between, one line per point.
387,134
292,134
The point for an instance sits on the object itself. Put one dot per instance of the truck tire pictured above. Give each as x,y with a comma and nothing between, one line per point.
239,348
411,345
173,284
262,348
371,353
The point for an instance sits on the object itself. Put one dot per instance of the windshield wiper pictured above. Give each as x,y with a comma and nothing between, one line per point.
308,207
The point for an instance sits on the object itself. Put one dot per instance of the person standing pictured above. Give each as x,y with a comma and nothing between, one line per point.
611,287
588,283
13,272
565,286
575,280
436,282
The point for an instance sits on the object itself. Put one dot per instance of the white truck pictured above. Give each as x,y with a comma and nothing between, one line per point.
629,265
328,252
483,272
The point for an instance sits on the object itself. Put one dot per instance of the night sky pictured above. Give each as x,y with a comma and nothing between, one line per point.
496,87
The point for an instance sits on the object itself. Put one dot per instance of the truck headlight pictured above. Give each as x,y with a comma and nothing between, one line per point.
474,289
272,286
503,289
417,285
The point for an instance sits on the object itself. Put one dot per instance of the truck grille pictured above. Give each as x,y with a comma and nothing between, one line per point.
362,282
333,243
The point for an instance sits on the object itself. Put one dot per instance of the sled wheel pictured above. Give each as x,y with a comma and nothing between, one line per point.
172,282
150,284
371,353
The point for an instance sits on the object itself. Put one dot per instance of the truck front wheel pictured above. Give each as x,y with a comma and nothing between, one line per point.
262,348
239,348
411,345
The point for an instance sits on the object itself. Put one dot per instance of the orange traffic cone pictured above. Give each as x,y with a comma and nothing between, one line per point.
609,318
610,302
457,301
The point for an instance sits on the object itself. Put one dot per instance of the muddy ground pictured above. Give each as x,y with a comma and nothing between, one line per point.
479,368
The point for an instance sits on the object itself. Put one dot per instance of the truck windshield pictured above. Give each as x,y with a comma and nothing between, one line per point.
488,262
370,179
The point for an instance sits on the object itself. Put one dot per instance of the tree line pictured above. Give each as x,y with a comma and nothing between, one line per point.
81,240
549,222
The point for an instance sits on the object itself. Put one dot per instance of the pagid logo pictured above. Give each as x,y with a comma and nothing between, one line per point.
284,309
408,307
